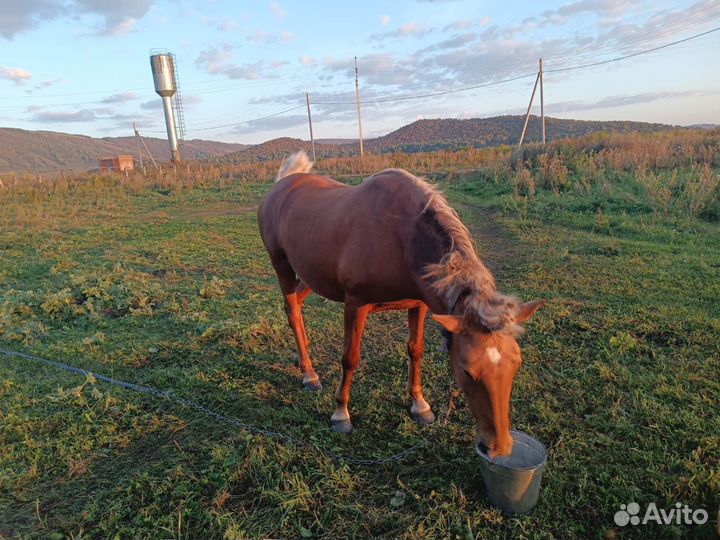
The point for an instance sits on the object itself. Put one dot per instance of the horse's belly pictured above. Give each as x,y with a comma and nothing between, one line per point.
320,282
368,289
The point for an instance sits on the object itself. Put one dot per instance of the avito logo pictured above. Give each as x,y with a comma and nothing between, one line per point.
682,514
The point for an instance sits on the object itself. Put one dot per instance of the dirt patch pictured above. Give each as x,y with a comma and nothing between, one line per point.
496,247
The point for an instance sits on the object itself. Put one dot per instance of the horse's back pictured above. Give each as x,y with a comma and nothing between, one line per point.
341,238
325,203
291,191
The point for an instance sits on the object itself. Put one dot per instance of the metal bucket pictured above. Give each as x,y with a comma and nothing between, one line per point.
513,482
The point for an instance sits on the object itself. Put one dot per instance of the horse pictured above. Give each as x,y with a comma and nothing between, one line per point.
394,243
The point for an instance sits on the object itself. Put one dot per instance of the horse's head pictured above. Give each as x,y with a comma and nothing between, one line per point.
485,356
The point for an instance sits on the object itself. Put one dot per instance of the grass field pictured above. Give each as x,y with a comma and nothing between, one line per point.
172,288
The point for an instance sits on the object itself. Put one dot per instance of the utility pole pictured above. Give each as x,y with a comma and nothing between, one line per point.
357,93
312,139
137,139
527,115
542,101
148,151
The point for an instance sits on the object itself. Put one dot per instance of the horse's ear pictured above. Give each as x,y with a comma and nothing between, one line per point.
526,310
451,323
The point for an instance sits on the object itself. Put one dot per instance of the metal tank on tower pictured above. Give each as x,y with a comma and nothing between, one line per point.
166,85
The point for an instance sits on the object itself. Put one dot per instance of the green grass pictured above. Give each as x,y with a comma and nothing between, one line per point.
174,290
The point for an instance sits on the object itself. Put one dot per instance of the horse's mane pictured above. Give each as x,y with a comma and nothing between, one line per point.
299,162
460,274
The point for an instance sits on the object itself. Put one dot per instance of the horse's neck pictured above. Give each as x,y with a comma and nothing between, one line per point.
446,262
454,280
435,301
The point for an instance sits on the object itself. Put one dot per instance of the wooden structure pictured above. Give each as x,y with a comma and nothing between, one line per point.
116,164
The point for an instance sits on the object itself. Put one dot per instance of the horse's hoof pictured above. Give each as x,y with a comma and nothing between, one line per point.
341,426
313,386
425,417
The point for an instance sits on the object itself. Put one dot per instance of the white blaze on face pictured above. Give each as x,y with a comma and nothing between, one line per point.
493,354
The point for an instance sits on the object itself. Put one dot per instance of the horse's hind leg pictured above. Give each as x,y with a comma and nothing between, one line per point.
420,409
355,318
303,291
295,293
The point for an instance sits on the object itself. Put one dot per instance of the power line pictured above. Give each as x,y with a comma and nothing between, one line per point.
644,35
454,91
431,94
624,43
558,70
208,128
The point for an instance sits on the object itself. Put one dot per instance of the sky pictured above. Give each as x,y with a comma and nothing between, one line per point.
81,66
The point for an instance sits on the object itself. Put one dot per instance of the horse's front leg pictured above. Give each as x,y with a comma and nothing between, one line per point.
420,409
355,317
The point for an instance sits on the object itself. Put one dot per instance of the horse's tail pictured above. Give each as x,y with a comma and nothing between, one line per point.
299,162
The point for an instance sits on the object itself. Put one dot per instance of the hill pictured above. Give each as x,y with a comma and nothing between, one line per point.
22,150
336,141
281,147
443,133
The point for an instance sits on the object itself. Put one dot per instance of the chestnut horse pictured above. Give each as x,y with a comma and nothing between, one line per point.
393,242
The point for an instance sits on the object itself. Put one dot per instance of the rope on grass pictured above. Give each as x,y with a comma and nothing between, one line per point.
167,395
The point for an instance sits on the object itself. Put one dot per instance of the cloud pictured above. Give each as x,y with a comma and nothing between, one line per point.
464,24
188,101
263,37
214,59
273,123
16,75
244,71
49,83
411,29
481,52
122,97
616,36
277,10
610,102
118,17
600,8
223,24
376,69
48,117
613,102
384,20
152,105
17,17
458,41
44,116
307,60
606,10
218,61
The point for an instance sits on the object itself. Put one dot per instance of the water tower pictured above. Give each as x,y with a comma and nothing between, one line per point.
165,79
